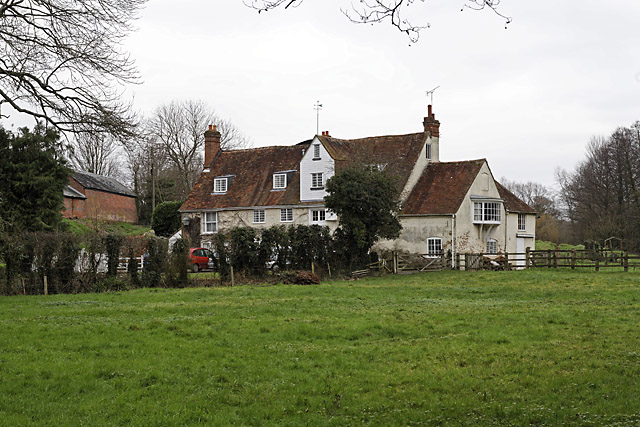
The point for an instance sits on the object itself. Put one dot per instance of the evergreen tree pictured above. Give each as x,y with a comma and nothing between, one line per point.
365,200
34,174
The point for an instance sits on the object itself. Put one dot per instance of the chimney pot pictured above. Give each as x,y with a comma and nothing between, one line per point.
210,127
430,111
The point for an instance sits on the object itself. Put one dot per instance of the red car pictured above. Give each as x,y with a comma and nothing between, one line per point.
200,258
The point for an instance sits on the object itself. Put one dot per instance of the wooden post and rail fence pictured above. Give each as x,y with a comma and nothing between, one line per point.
398,263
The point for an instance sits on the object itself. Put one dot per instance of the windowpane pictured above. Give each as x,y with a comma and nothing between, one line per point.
220,185
286,215
316,180
492,246
428,150
279,180
434,246
210,222
318,215
477,211
522,222
258,216
316,151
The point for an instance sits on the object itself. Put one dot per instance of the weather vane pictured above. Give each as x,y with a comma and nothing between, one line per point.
430,93
317,106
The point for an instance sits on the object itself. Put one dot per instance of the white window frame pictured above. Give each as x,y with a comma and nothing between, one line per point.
220,185
314,180
259,216
432,246
487,212
428,151
522,222
317,216
316,151
286,215
279,185
492,246
209,219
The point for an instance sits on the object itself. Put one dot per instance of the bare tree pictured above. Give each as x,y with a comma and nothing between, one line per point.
377,11
96,153
62,62
179,128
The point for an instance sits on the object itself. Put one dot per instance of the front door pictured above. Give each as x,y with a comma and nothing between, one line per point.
520,257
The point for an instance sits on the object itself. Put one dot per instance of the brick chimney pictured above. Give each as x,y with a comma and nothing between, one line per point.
431,125
211,145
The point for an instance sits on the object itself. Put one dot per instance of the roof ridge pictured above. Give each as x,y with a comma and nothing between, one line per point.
369,137
260,148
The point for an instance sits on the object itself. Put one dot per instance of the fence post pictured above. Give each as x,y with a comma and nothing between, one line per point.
24,291
527,260
395,262
329,268
507,267
626,261
573,259
548,258
232,275
313,268
46,290
597,261
458,261
555,259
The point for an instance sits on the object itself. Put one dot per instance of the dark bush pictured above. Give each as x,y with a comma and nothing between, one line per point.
221,261
243,247
112,244
165,220
66,262
155,263
177,275
275,241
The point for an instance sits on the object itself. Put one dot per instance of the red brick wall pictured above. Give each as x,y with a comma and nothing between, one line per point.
73,208
112,207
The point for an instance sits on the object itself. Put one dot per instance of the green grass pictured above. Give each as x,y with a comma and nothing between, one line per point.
85,226
458,348
541,245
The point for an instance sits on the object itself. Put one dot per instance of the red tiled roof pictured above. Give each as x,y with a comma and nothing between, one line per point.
398,152
442,187
511,202
251,184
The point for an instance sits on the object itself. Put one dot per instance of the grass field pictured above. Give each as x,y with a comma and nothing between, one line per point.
457,348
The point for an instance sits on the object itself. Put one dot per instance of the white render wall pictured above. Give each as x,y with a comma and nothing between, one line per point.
325,164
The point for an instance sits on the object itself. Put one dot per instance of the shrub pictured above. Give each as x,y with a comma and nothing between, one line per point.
244,249
132,267
156,257
66,262
166,219
221,260
112,244
179,264
275,242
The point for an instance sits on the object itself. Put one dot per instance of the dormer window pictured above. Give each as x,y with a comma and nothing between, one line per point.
220,185
279,181
316,151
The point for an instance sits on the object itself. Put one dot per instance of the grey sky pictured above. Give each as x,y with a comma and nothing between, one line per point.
527,98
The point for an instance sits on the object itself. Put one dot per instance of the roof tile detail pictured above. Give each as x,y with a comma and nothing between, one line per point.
442,188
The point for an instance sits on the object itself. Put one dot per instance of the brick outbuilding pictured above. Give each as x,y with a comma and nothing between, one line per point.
95,196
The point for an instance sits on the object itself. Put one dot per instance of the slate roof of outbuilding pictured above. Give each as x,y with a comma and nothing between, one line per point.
512,203
441,188
251,173
103,183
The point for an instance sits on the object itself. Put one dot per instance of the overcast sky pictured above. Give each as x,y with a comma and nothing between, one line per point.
527,98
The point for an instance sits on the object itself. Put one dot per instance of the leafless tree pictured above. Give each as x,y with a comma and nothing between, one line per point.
602,195
61,62
179,128
96,153
376,11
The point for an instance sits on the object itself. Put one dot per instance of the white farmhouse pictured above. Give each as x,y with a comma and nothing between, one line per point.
445,206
